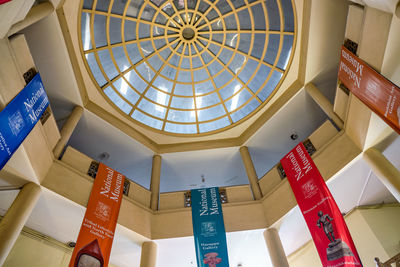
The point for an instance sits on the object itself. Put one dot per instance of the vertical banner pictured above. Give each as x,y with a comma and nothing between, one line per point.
95,238
208,228
321,213
378,93
19,117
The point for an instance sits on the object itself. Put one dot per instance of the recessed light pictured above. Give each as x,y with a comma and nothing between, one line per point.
294,136
104,156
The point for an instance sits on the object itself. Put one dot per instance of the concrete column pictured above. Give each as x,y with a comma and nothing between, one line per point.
251,172
36,13
16,217
324,104
148,257
155,182
275,248
388,174
67,130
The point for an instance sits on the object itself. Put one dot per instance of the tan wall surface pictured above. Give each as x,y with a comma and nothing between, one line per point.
307,256
384,222
38,253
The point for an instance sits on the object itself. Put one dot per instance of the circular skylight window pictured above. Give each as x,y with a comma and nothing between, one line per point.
187,66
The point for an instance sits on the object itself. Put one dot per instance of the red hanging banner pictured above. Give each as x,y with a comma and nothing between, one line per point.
378,93
95,238
322,215
4,1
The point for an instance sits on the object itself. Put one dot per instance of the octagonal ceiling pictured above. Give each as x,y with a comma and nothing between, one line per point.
187,107
188,66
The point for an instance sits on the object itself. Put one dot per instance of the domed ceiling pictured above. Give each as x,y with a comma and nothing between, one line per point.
187,67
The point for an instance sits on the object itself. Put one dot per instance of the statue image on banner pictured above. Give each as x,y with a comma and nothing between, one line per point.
211,259
336,248
90,256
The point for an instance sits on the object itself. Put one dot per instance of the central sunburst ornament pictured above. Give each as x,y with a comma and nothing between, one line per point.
188,34
187,67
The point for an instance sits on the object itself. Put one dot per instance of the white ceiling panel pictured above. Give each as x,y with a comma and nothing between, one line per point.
272,142
94,136
219,167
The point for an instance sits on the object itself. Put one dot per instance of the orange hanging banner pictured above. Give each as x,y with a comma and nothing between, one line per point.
378,93
95,238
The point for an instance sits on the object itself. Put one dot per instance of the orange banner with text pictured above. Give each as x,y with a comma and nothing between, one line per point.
96,236
378,93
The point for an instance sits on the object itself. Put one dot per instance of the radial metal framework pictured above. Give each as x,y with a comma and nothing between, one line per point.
187,66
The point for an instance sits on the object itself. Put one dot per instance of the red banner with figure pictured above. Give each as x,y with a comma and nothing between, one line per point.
323,217
95,238
378,93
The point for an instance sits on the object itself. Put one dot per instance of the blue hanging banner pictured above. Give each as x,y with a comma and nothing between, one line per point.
208,228
19,117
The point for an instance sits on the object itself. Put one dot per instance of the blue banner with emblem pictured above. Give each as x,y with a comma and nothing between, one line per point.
208,228
19,117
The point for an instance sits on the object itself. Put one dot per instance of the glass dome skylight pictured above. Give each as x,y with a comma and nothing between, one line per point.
187,66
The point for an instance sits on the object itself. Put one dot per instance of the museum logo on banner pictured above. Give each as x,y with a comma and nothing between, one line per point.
321,213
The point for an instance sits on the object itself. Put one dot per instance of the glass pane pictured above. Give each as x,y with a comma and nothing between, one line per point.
117,100
259,18
103,5
272,50
94,67
183,89
180,128
143,118
238,100
211,113
115,30
288,15
152,109
286,51
273,15
120,58
182,102
258,47
88,4
259,78
270,86
244,111
136,81
158,96
126,91
207,100
181,116
107,64
99,29
85,31
214,125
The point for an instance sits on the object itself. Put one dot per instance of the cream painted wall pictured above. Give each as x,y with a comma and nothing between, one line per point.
375,233
384,223
38,252
305,257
